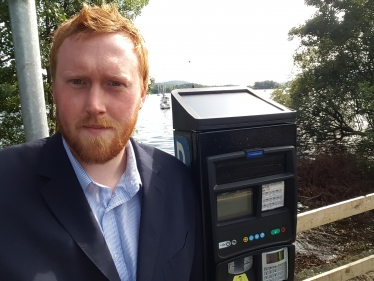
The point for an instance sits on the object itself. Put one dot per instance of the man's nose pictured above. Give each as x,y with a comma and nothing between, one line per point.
95,103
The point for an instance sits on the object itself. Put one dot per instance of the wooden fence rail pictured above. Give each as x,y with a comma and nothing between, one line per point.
335,212
345,272
331,213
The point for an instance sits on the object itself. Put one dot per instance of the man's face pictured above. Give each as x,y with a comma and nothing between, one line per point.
97,91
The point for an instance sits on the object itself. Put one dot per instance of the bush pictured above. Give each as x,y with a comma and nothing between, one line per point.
331,178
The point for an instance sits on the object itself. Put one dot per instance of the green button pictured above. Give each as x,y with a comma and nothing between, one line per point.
275,231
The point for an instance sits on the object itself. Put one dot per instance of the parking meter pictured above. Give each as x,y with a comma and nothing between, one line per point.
240,148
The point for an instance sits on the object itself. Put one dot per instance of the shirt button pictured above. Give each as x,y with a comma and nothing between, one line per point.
115,256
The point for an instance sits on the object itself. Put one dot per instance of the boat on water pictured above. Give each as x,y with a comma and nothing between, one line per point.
164,102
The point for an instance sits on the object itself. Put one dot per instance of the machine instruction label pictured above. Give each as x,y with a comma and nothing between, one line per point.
224,244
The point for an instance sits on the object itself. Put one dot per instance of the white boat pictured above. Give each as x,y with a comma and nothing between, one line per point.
164,102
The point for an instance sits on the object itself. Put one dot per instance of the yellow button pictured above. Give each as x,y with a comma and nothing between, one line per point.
245,239
241,277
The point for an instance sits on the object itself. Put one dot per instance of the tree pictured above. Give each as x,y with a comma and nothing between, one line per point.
334,92
282,96
151,85
11,128
50,14
267,84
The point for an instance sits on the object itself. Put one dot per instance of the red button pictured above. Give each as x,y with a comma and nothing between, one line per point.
283,229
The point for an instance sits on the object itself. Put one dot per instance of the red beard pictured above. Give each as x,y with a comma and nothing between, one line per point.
100,149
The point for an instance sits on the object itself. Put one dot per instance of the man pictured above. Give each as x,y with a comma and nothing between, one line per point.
89,203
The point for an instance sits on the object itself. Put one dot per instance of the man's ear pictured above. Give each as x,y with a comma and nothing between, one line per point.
142,97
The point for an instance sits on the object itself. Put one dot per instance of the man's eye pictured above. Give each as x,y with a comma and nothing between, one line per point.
76,81
114,83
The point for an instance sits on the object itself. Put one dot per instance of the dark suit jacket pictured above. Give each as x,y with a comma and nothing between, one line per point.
48,232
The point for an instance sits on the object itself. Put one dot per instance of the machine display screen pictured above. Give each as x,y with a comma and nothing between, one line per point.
234,205
274,257
229,105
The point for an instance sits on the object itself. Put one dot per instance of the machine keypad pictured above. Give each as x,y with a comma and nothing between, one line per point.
272,195
274,273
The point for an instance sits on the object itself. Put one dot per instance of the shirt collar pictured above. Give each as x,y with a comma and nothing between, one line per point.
130,181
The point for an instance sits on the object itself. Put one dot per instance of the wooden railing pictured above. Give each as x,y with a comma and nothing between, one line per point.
335,212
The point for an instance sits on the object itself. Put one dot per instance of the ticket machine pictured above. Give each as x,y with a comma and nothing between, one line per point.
240,148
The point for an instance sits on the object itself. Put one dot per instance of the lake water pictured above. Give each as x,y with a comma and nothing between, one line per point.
155,125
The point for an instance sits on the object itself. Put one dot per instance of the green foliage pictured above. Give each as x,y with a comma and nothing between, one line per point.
49,14
333,94
267,84
168,87
282,96
151,85
188,85
11,128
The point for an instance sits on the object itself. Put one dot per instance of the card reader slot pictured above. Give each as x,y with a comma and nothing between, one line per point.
238,169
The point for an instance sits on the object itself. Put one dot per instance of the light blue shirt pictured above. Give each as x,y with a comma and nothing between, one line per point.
117,214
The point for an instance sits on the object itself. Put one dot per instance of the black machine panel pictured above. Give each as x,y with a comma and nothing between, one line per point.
275,263
248,192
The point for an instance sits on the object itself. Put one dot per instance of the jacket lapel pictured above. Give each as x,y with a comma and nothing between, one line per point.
153,198
66,199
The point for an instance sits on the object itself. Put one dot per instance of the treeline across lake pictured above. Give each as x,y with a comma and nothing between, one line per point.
167,87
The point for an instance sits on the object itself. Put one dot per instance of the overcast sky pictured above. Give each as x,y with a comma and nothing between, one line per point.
219,42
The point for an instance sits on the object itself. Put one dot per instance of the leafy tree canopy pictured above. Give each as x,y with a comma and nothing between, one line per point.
151,85
282,96
267,84
334,92
49,14
167,87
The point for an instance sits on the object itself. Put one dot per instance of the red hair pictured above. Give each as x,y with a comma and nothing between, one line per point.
95,20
